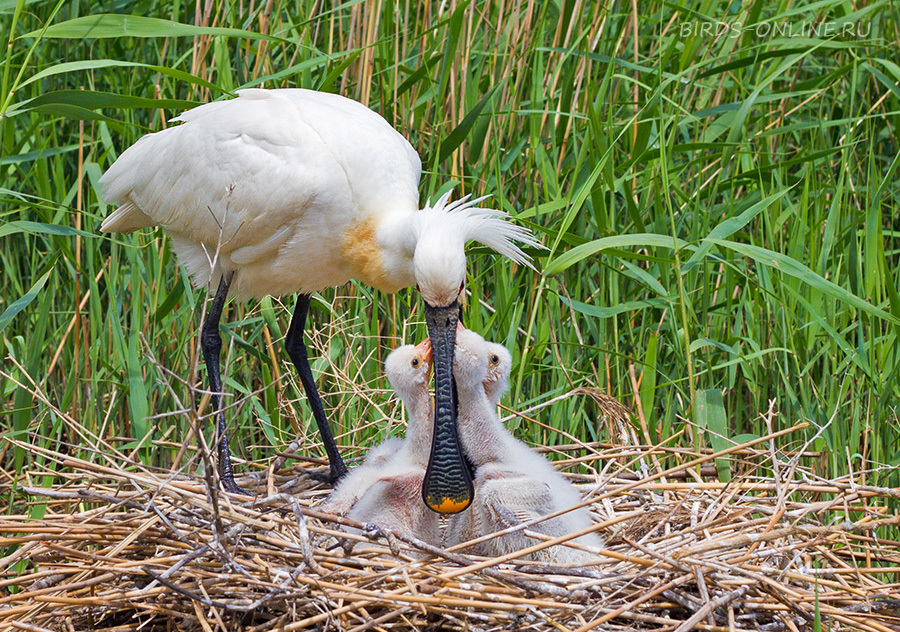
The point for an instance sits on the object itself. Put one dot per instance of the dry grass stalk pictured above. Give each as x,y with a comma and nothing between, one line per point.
121,547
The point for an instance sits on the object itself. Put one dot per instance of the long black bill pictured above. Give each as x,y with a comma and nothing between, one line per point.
447,487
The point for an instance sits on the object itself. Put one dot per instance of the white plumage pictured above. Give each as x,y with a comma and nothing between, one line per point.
292,191
513,483
386,489
300,190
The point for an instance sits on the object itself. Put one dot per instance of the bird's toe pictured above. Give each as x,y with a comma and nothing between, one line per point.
328,478
231,487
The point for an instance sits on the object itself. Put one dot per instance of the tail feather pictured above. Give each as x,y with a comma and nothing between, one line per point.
126,219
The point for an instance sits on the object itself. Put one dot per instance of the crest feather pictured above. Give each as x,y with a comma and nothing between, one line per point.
490,227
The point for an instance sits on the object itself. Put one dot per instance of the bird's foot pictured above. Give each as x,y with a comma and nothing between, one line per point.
328,478
230,486
320,477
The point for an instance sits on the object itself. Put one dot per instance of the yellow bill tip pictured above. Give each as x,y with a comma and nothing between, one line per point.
449,505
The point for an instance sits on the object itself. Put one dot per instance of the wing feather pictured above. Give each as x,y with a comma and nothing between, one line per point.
235,171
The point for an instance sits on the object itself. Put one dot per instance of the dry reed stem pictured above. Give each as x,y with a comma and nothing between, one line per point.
120,547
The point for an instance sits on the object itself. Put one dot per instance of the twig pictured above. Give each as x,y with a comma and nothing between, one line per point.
710,606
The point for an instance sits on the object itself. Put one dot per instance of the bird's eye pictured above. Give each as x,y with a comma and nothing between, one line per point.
462,286
495,359
415,363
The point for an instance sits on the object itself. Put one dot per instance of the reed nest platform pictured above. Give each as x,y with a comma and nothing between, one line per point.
113,545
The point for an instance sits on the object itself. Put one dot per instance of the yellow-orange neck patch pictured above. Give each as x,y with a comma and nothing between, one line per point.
360,250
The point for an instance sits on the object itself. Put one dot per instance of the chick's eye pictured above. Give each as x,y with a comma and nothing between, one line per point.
415,363
495,359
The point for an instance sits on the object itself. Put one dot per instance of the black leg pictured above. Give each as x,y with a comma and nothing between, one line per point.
211,344
297,351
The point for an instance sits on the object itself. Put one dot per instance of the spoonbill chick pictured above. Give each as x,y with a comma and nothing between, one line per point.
513,483
387,489
292,191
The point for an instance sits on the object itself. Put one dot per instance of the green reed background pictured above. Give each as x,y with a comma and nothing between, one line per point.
716,185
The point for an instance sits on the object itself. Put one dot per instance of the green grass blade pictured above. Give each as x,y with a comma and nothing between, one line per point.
579,253
24,301
711,416
98,64
799,271
108,25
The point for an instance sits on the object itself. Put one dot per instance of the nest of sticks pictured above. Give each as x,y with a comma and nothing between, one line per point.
117,546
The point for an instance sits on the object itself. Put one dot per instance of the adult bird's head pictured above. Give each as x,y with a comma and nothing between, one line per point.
439,264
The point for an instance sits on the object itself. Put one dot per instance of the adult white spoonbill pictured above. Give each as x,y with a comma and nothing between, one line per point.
386,489
292,191
513,483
